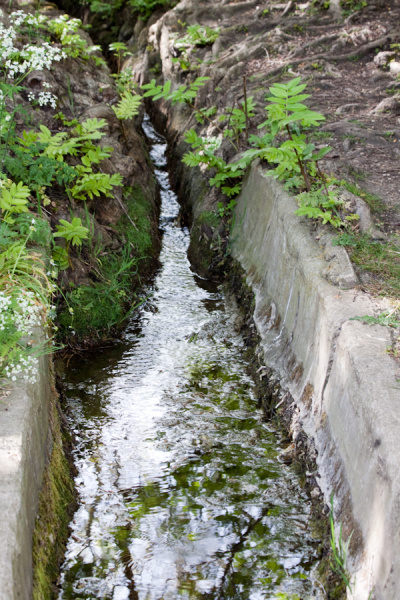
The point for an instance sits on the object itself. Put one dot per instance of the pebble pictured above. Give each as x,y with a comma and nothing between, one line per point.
394,67
315,493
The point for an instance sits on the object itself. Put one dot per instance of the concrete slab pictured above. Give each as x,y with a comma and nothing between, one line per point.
348,392
24,445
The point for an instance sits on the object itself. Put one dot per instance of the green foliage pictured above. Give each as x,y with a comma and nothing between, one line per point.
204,114
381,259
93,184
387,318
128,106
97,308
120,50
14,200
286,112
146,7
226,209
43,159
24,292
125,81
39,232
351,6
183,94
339,550
198,35
286,107
26,162
74,232
61,257
317,204
106,9
238,118
66,31
110,299
225,173
140,211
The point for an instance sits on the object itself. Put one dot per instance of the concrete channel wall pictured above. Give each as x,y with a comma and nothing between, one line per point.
25,445
344,384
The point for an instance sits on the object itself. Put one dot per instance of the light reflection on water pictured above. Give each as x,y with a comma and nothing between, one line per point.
181,491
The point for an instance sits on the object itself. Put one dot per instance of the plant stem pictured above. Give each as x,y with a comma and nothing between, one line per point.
322,175
245,109
301,164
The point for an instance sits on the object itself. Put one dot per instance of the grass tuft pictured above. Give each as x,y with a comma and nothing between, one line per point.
380,259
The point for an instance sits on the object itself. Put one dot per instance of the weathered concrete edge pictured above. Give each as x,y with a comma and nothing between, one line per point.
337,370
25,445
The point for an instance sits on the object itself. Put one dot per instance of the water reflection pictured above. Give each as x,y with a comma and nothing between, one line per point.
181,491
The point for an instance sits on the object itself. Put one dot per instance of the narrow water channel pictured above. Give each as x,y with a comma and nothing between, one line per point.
181,491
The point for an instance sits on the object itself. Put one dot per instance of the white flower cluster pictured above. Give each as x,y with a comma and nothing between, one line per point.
18,17
25,366
20,313
37,58
31,57
44,98
27,312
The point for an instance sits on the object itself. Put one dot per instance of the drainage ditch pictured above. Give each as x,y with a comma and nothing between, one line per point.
182,493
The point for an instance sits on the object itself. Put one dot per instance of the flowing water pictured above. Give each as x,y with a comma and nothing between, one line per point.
181,491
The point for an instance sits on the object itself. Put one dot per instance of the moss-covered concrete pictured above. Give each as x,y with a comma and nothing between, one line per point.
33,470
56,502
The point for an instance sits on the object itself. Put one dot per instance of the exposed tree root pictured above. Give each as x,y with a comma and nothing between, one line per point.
321,40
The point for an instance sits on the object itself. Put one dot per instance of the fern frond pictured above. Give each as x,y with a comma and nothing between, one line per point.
128,106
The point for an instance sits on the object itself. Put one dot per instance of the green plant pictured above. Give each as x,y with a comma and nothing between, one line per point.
226,174
381,259
181,95
204,114
387,318
226,209
324,205
339,550
146,7
48,150
14,200
197,35
128,106
286,112
25,291
120,50
73,233
183,62
351,6
66,31
125,80
237,118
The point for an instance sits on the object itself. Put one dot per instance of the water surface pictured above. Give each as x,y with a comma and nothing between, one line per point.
182,494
